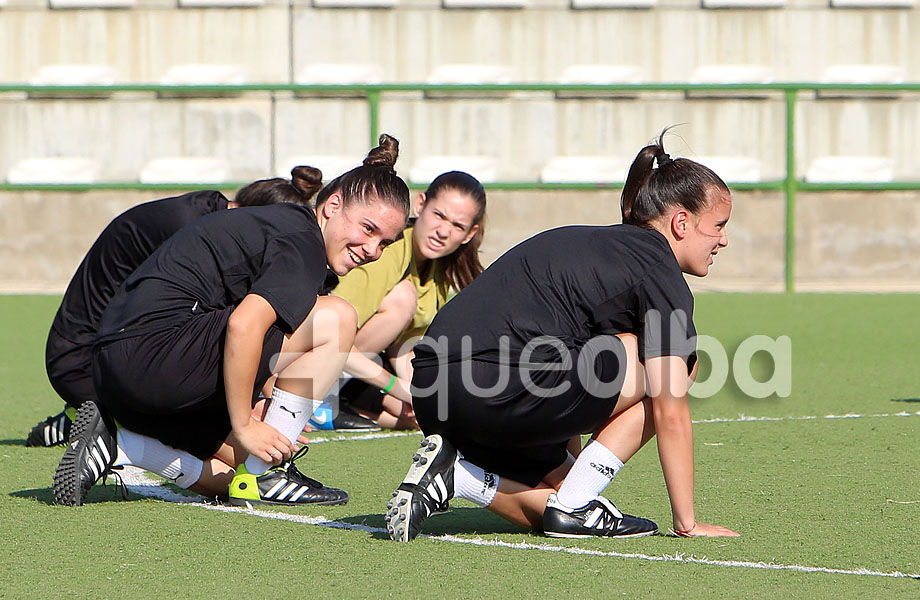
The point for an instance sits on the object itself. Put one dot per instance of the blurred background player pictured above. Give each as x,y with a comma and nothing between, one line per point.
398,296
121,247
615,310
191,337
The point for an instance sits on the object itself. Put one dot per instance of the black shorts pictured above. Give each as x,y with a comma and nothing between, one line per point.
509,429
70,368
169,384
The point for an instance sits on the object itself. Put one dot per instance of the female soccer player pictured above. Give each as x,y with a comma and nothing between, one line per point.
121,247
557,338
186,344
398,296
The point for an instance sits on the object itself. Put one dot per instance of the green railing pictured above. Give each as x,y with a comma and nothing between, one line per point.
790,184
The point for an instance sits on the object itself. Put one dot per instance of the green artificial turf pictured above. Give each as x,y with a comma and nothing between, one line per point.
835,493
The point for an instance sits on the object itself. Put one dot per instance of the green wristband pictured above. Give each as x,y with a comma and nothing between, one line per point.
390,385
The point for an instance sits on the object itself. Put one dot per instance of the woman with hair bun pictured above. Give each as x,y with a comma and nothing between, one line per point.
557,338
189,340
398,296
121,247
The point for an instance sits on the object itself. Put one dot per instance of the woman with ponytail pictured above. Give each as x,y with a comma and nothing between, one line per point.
398,296
576,330
191,337
121,247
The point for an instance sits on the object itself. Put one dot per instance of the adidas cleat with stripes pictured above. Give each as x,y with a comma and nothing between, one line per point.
426,490
89,456
282,485
53,431
598,518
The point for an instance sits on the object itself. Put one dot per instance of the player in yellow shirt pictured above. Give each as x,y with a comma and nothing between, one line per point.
398,296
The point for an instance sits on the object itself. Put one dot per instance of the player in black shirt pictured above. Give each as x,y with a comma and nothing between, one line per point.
121,247
189,340
554,340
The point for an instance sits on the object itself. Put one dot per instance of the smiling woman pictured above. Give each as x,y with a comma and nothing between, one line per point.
397,297
189,340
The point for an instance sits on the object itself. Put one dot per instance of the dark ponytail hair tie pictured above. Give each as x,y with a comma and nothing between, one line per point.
663,159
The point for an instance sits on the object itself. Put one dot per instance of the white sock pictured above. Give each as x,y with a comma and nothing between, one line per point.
473,483
288,413
151,454
591,473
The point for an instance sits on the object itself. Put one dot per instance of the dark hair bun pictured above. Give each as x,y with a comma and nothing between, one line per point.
307,180
385,154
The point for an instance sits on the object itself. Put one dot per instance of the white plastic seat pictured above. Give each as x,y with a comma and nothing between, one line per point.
873,3
719,74
483,168
733,169
185,170
601,74
340,74
469,74
67,4
484,3
757,4
585,169
591,4
355,3
864,74
54,170
332,165
75,75
205,74
220,3
850,169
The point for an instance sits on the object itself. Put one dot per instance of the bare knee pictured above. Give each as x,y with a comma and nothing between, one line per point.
401,302
333,312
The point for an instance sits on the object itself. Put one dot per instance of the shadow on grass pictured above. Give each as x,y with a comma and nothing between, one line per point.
20,442
459,521
905,399
98,493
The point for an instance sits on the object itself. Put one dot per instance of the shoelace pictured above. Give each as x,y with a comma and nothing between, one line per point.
294,473
119,481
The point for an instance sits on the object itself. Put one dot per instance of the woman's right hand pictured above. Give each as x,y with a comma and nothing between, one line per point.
264,442
707,530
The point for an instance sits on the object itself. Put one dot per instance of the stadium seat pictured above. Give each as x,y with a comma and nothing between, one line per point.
220,3
70,4
484,3
185,170
599,75
875,74
733,169
873,3
470,74
850,169
715,4
340,74
585,169
593,4
75,75
332,165
355,3
205,74
54,170
483,168
718,74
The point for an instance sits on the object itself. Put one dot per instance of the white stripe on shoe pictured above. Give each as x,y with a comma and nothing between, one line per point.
287,490
270,493
105,452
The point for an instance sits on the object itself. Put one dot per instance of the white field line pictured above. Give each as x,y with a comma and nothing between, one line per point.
138,482
738,419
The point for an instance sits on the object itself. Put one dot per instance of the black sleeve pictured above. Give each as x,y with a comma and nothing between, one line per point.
666,311
292,273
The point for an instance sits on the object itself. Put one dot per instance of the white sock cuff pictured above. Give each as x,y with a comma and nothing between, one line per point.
474,483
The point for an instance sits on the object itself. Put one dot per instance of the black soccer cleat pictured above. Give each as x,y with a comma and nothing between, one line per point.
598,518
426,490
89,456
52,431
282,485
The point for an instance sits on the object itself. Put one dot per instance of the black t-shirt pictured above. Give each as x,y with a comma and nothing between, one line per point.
274,251
571,284
121,247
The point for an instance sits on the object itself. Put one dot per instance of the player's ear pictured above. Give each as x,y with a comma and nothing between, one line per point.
333,204
420,203
679,223
471,234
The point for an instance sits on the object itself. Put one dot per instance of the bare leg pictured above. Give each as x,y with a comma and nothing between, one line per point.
523,505
215,479
391,319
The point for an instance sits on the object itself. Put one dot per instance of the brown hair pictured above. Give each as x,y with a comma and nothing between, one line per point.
462,266
299,189
375,179
649,192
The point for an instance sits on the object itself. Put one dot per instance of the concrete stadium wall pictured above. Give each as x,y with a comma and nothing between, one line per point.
845,241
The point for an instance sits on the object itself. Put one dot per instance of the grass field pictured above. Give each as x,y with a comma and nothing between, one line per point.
827,507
